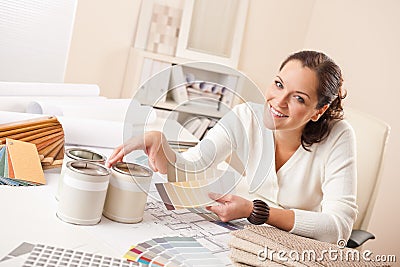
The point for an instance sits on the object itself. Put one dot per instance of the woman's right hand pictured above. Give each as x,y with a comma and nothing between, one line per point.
153,143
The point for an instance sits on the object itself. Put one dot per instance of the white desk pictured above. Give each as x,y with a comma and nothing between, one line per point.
28,214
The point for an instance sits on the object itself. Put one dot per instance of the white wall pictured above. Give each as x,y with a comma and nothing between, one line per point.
34,39
103,33
364,38
273,30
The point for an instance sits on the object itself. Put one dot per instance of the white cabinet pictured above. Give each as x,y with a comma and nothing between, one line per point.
212,30
153,78
197,35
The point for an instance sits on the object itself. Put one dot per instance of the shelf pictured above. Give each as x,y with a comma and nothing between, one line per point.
192,108
160,57
143,64
134,76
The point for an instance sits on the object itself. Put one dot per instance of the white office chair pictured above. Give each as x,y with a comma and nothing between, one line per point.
372,135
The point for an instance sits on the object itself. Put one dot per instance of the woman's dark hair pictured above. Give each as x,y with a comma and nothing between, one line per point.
329,92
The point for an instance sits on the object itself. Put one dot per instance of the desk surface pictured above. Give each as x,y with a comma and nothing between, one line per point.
29,215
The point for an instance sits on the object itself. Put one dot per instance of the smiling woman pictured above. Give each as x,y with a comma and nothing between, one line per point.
298,153
308,87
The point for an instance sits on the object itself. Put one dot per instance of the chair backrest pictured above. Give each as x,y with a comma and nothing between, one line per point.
372,135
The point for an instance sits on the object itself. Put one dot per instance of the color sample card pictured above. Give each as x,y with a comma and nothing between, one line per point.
194,193
20,164
2,160
43,255
182,172
19,252
172,251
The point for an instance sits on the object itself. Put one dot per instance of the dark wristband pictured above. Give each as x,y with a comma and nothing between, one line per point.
260,213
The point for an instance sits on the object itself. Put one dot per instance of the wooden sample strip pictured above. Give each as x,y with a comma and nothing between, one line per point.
30,135
57,162
49,157
27,123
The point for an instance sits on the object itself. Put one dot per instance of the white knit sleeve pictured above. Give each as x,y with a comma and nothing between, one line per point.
339,186
217,145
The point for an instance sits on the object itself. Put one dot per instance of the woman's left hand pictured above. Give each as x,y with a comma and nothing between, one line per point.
231,207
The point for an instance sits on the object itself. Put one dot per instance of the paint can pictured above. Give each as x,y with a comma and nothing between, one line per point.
77,154
127,192
83,193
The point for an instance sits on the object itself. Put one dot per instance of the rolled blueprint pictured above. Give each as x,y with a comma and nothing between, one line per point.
47,89
20,103
106,109
88,132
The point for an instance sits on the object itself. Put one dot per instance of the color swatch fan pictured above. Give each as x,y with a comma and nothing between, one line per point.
45,133
192,188
172,251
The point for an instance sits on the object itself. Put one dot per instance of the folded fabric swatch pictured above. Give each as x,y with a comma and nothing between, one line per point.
244,258
255,251
262,243
238,264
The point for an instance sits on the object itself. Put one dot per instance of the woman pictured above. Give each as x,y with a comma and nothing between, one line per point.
313,175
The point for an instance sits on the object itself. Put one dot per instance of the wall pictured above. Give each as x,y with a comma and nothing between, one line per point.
364,38
35,39
103,34
273,30
104,31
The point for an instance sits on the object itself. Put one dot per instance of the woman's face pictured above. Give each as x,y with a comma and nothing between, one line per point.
291,99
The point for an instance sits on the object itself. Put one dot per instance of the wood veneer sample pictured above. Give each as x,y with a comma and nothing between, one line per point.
53,150
27,123
30,135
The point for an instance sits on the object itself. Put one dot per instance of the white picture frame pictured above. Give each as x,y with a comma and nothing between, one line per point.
198,10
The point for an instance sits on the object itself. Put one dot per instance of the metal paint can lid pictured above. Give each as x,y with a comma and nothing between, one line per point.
88,168
133,169
84,154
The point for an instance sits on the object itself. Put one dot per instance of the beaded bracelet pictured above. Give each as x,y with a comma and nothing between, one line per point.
260,213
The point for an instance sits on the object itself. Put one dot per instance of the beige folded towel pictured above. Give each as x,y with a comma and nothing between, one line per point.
237,242
238,264
244,258
298,250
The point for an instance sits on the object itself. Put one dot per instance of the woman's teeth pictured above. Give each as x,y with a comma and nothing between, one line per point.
277,113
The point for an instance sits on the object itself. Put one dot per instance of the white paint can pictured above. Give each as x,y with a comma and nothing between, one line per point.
83,193
77,154
127,192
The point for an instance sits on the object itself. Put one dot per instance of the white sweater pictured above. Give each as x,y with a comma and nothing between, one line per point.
319,186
